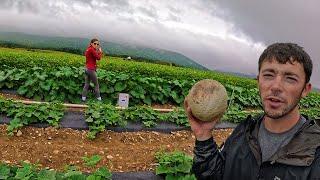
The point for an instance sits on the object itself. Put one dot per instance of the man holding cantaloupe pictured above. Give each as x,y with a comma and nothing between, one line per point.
280,144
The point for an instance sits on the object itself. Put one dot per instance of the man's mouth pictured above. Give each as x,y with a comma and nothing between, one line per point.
274,99
274,102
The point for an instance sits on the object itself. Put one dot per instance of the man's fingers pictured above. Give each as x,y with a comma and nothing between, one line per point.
190,115
185,103
189,112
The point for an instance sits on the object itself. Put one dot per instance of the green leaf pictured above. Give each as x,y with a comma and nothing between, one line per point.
103,88
2,76
123,77
109,90
173,164
120,86
30,93
92,134
149,124
41,77
14,124
26,172
46,175
163,170
74,175
89,119
37,97
93,177
96,115
4,171
30,82
22,90
9,84
147,100
45,85
103,172
174,95
92,161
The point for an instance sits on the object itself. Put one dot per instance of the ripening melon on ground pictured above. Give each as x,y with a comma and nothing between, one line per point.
208,100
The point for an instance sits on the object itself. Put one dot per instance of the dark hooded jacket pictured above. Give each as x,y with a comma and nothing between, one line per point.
240,157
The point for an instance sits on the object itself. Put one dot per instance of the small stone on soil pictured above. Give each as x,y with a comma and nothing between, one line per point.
19,133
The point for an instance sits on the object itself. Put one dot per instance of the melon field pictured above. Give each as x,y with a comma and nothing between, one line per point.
99,140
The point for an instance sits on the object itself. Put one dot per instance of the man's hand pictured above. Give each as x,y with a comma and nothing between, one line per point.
201,129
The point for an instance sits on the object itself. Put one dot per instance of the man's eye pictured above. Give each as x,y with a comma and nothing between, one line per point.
291,79
267,75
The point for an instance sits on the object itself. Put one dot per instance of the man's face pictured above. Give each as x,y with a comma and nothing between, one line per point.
281,87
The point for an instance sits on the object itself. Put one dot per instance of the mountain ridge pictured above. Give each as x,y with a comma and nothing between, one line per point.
78,45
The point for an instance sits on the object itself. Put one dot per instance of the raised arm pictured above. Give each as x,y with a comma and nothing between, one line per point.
208,160
97,54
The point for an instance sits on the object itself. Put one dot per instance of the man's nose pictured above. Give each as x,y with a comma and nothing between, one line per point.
277,84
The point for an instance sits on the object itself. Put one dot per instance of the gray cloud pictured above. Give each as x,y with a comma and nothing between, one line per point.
5,4
150,12
274,21
117,3
173,17
174,9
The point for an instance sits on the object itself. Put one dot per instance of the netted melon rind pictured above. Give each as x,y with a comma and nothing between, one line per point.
208,100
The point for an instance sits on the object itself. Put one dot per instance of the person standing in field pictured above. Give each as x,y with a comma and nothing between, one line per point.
93,54
281,144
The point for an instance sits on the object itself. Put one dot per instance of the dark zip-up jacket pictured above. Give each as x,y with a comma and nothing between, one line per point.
240,157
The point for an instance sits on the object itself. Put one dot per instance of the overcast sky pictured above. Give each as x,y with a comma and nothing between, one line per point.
221,35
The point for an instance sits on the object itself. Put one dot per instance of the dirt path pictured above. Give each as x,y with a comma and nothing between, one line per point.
120,152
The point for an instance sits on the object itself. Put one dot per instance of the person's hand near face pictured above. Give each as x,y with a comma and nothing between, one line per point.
96,45
99,49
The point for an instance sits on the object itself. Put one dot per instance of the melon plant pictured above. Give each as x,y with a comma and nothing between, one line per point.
208,100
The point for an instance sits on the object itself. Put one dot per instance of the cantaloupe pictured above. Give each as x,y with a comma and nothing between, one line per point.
208,100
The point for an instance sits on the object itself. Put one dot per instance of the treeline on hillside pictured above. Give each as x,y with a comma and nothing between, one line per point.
66,49
141,59
81,52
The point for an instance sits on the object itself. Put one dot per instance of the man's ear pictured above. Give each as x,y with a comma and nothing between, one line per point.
306,90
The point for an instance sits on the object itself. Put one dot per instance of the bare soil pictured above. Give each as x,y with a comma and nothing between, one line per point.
120,152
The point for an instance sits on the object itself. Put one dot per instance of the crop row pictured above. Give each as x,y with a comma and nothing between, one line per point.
99,116
20,58
171,165
30,171
65,84
23,115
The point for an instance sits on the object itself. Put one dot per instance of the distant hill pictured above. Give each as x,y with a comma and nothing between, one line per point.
253,76
78,45
316,89
250,76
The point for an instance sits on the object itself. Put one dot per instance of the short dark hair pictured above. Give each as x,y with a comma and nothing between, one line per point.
94,40
287,52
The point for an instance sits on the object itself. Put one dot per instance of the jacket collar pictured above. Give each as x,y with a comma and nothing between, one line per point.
300,151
